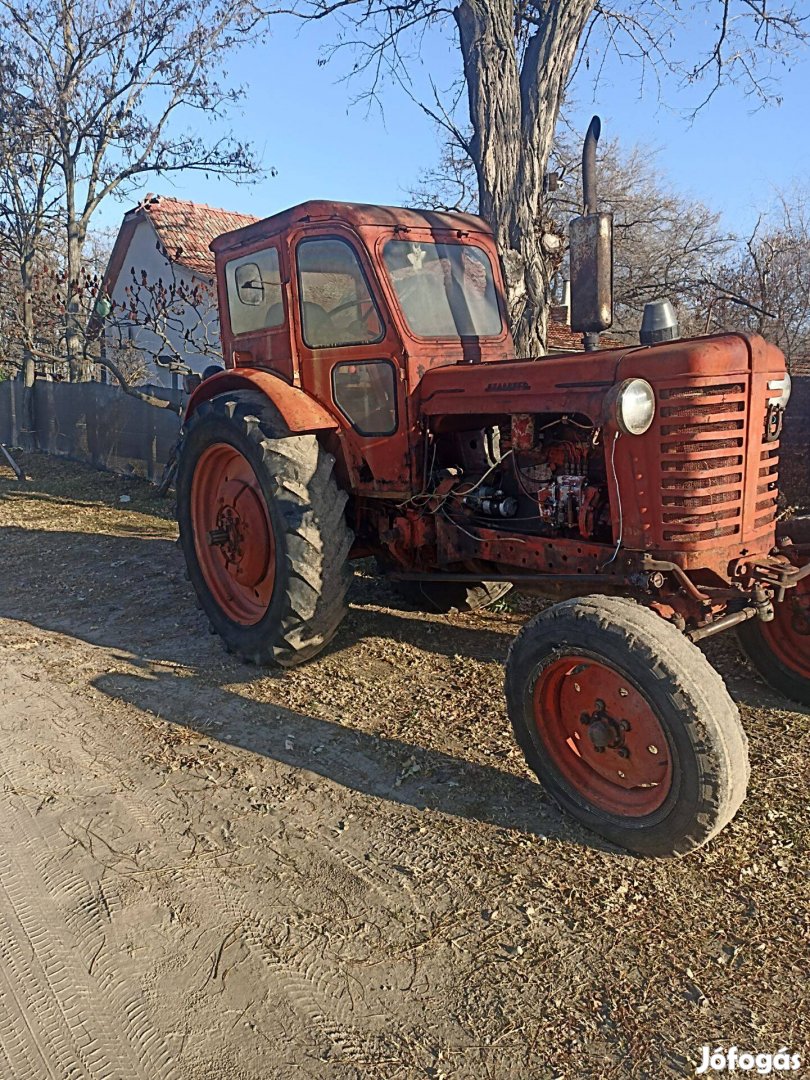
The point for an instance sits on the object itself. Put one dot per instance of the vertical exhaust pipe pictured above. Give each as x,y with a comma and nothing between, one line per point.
591,253
589,199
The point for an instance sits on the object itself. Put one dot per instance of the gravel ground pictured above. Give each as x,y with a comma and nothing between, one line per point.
344,870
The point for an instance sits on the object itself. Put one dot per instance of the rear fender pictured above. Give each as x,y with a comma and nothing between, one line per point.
300,412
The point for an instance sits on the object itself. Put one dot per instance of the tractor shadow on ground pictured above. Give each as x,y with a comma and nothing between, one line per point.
384,768
128,594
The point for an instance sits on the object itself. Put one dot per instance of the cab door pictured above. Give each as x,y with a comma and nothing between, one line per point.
258,315
349,355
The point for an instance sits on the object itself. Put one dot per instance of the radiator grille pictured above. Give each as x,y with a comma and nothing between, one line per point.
702,454
704,432
767,486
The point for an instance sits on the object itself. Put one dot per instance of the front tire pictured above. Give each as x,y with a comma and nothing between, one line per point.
263,531
627,725
780,649
447,597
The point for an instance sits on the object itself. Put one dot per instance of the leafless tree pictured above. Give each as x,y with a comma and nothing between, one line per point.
765,287
113,84
666,243
518,57
29,201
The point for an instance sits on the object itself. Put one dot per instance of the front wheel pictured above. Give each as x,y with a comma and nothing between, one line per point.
448,597
627,725
780,649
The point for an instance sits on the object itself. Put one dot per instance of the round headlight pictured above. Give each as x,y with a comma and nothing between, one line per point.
780,390
635,406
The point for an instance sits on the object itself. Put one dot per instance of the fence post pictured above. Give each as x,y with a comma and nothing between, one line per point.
151,445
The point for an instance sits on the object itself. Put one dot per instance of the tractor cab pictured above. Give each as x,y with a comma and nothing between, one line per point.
351,305
324,277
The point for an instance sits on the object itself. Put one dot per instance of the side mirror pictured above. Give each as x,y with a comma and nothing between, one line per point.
591,253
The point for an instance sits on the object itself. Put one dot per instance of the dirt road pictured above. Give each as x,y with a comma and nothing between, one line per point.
209,872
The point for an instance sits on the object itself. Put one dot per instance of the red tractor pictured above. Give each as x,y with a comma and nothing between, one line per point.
372,406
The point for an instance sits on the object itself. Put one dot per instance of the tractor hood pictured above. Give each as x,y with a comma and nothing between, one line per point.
578,383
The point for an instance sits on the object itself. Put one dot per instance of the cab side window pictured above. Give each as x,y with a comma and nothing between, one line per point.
255,300
337,308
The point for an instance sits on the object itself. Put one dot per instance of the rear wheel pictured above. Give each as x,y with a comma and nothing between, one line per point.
627,725
263,530
780,649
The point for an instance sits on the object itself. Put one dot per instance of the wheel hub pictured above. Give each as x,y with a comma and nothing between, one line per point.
604,732
604,735
228,535
233,533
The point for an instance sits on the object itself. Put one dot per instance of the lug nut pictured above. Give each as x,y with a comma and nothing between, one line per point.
217,537
652,749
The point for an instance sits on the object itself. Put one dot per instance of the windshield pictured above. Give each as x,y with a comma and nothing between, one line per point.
444,290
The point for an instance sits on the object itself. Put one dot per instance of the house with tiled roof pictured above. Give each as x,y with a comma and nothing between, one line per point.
166,239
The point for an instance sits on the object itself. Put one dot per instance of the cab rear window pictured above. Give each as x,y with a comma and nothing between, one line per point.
255,300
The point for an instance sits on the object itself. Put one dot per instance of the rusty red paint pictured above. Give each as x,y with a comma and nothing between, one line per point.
523,431
299,412
603,736
696,491
233,533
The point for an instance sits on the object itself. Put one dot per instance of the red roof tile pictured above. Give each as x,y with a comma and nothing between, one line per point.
186,229
561,338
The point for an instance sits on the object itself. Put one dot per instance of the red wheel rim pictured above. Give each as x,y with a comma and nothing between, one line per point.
233,534
603,736
788,634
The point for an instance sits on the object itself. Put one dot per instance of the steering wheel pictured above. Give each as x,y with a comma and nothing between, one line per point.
359,304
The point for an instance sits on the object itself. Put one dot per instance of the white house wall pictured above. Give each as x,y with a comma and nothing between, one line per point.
143,254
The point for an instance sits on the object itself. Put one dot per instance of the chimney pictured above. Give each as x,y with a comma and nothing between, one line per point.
560,313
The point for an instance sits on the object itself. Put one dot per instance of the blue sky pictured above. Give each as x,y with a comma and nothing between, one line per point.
300,116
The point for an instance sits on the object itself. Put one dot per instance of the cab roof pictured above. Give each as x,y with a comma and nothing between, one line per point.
353,214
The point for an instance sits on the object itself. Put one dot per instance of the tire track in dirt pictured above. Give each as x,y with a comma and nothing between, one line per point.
319,987
58,1019
68,1008
322,991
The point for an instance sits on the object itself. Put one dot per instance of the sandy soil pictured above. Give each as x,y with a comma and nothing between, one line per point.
342,871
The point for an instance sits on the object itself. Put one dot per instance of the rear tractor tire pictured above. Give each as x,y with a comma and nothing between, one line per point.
263,530
627,725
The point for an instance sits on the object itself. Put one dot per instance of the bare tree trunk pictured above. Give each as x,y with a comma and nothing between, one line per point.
514,108
29,417
74,330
